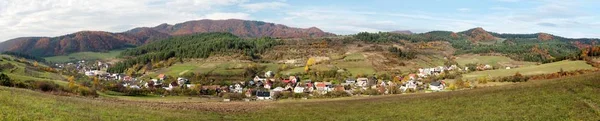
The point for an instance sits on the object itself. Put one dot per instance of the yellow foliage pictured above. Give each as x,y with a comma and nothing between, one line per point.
71,82
311,61
35,64
452,86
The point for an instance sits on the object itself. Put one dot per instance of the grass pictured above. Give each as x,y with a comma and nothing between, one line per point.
355,56
20,73
532,70
20,104
84,56
572,98
490,60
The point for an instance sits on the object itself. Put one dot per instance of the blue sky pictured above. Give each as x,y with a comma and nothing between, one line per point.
575,18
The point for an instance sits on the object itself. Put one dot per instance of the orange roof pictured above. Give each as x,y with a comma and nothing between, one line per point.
161,76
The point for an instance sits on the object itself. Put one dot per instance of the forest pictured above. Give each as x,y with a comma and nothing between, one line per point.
525,47
193,46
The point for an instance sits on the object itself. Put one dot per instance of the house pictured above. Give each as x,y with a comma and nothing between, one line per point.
299,89
182,81
162,77
257,79
269,74
294,79
350,80
263,95
268,85
411,84
323,87
289,87
237,88
361,82
171,86
437,85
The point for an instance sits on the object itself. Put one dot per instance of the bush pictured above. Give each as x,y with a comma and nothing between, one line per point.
5,80
46,86
337,93
234,96
372,92
85,91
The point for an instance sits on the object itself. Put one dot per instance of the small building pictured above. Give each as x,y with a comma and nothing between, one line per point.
437,85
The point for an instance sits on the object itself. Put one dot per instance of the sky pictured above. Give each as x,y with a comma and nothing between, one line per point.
568,18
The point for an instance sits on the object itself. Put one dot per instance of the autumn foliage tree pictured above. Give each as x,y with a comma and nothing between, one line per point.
311,61
71,82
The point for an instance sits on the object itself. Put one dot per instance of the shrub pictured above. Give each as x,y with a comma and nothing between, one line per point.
337,93
482,80
46,86
5,80
234,96
452,87
372,92
85,91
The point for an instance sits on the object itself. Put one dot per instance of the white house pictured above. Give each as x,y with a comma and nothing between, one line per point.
437,85
299,90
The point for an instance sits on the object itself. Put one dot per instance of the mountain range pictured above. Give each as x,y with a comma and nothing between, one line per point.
98,41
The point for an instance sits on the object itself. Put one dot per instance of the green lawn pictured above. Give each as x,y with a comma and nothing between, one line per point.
572,98
84,56
532,70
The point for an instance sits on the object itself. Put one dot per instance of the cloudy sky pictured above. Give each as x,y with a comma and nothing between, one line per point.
570,18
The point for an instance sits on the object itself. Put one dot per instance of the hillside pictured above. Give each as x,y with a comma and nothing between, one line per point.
99,41
193,46
479,35
95,41
242,28
572,98
22,70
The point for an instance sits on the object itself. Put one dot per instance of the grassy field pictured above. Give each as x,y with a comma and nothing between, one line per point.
23,72
573,98
84,56
490,60
532,70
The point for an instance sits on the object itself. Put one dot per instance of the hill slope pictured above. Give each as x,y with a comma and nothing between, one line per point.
99,41
573,98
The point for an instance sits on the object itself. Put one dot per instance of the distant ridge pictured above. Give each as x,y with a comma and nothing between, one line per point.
98,41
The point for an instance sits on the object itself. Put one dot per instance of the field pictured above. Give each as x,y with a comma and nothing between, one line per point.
532,70
84,56
572,98
491,60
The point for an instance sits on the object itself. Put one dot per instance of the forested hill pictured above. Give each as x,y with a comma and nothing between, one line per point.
539,47
99,41
192,46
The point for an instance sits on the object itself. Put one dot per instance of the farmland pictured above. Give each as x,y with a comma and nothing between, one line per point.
532,70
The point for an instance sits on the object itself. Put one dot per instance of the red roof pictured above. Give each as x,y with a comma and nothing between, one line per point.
286,81
320,84
161,76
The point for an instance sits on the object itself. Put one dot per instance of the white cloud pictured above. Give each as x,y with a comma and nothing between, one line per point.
20,18
264,5
222,16
464,9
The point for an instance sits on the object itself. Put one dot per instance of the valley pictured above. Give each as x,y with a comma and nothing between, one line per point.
184,72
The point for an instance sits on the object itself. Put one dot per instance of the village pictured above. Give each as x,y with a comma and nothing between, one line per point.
267,87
